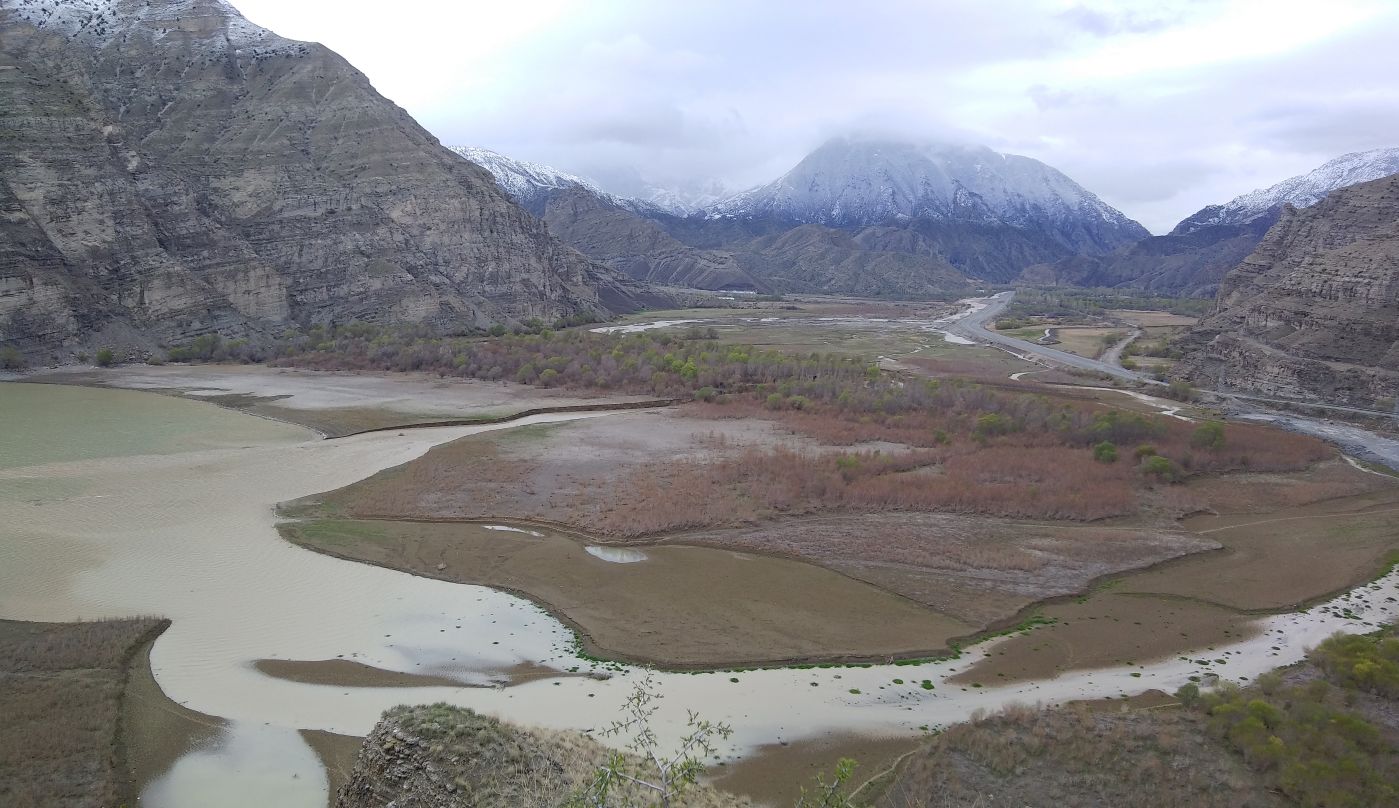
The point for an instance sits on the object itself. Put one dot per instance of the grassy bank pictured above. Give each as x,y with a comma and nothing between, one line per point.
1322,733
61,690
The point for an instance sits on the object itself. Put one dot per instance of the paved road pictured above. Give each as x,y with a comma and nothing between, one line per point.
973,326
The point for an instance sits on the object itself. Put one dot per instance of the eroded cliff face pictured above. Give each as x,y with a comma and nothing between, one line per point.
1313,312
169,169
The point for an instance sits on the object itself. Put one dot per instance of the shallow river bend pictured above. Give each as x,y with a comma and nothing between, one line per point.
190,535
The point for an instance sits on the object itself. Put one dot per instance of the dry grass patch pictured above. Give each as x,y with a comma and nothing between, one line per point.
1107,630
1076,756
680,607
61,688
979,570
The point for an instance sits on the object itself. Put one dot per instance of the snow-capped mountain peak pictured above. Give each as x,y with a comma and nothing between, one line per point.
851,182
103,21
1301,191
532,184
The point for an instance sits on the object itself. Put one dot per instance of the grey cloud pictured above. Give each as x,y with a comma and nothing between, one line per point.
1104,23
697,93
1047,98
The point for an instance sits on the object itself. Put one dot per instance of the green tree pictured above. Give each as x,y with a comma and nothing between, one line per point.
830,793
11,358
1105,452
1161,468
663,774
105,357
1180,391
1208,436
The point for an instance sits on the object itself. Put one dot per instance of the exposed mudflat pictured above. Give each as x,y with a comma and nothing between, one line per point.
1272,559
332,402
776,773
679,607
191,534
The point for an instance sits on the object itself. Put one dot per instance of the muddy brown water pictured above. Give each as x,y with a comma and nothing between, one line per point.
91,527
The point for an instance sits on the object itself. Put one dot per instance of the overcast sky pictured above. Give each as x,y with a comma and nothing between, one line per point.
1158,107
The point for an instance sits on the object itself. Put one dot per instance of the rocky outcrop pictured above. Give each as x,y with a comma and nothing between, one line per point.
1313,312
169,169
439,756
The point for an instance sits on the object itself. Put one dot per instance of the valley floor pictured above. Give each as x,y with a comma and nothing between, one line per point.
618,526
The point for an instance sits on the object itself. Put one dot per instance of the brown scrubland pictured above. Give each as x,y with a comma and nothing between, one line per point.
61,687
1323,733
975,500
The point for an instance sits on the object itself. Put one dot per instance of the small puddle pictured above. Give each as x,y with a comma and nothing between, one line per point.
616,555
509,529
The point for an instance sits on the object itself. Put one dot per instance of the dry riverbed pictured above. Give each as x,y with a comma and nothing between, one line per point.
334,403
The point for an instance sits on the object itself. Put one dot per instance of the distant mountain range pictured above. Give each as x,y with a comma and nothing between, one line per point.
1301,191
1195,256
856,216
855,182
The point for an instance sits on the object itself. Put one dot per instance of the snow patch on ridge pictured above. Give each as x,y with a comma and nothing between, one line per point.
1301,191
97,22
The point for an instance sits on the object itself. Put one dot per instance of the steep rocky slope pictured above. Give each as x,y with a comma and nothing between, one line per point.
618,237
1313,312
616,232
1195,256
170,169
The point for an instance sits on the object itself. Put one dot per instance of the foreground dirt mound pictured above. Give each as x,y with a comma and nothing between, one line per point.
439,756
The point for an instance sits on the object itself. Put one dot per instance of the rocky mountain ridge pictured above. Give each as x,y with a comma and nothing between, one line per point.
1301,191
859,182
170,169
950,214
1313,312
1195,256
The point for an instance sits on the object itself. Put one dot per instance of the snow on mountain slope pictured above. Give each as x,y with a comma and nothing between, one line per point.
530,184
684,201
851,182
96,21
1301,191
